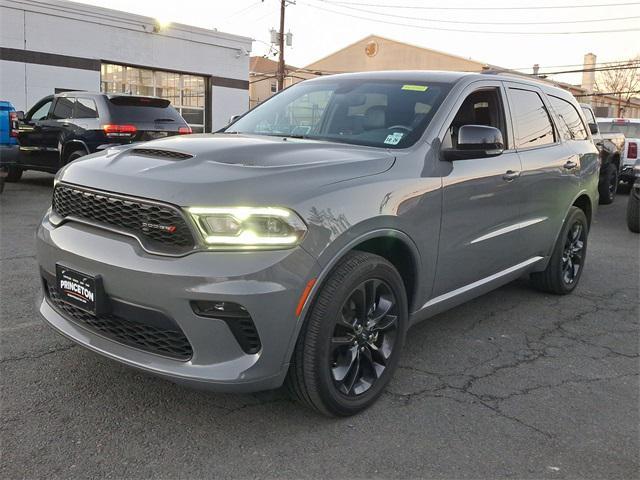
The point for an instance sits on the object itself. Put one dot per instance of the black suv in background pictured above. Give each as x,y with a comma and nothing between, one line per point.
62,127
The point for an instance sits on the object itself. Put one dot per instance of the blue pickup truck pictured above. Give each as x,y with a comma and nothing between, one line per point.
9,148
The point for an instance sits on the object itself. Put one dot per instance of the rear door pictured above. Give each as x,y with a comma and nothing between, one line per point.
550,166
481,198
153,117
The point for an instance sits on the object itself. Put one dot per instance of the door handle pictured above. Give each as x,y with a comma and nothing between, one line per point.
510,175
570,165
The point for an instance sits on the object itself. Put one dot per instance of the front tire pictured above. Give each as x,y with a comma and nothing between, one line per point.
350,343
608,185
14,174
568,258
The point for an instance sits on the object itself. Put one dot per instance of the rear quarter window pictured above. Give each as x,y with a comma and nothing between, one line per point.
569,121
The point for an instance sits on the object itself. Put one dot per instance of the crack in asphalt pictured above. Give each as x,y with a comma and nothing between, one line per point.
536,348
28,356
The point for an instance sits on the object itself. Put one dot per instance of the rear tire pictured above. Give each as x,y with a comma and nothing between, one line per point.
633,211
14,174
568,258
75,155
608,185
349,347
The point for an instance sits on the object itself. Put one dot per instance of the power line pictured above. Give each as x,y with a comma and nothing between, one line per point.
434,20
628,66
423,27
536,7
615,62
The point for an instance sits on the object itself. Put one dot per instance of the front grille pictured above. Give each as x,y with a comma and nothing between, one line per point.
169,343
154,152
160,228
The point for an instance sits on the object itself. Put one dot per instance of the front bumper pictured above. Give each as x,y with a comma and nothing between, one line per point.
267,283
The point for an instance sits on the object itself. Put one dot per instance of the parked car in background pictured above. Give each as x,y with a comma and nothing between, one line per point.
61,128
633,204
610,146
630,128
301,243
8,139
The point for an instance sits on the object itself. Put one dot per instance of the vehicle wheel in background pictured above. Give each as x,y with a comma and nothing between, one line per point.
608,185
14,174
624,187
633,210
1,183
350,343
75,155
569,254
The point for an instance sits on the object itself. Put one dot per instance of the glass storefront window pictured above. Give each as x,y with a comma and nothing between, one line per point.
185,92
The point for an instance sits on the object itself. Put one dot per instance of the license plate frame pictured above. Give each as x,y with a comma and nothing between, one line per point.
80,289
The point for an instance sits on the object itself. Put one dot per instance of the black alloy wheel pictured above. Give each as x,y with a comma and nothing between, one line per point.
572,254
364,337
567,261
350,342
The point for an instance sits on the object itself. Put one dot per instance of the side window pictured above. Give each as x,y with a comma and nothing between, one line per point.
41,112
532,123
483,107
63,108
569,121
85,108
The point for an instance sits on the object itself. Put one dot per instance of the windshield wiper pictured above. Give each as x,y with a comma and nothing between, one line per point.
158,120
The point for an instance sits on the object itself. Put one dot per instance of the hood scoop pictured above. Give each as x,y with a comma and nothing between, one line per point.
158,153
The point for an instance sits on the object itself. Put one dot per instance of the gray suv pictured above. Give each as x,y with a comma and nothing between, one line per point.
300,243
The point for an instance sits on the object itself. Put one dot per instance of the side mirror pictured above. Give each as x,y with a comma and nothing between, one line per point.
593,128
476,141
20,115
234,118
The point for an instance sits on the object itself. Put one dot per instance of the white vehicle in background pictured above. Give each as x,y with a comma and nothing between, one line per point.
630,127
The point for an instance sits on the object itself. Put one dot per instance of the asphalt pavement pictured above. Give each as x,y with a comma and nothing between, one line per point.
515,384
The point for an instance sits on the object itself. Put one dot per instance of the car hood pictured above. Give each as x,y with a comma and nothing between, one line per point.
225,169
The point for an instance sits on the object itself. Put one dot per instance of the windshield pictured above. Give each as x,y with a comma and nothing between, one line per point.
630,130
389,114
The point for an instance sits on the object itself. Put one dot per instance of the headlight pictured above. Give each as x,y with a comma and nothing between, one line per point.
248,227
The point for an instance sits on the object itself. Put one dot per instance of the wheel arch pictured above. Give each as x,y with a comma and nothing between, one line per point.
583,202
374,241
69,147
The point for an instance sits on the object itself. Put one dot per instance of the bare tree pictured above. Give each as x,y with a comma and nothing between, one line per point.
621,80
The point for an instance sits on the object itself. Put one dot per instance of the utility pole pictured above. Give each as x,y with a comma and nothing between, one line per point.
283,4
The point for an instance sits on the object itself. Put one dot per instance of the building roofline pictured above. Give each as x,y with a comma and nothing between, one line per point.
133,21
373,35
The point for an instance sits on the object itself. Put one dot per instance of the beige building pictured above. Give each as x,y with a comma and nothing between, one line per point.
378,53
263,81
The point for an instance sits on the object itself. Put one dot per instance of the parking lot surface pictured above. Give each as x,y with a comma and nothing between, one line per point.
515,384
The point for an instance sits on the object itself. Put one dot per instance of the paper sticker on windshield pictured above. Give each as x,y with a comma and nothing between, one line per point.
394,138
415,88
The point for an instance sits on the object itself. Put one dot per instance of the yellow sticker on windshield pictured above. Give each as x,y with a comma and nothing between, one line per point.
415,88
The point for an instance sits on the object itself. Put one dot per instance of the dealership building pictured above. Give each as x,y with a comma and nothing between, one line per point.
55,46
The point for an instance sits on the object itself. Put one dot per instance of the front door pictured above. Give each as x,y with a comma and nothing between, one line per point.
34,150
481,210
